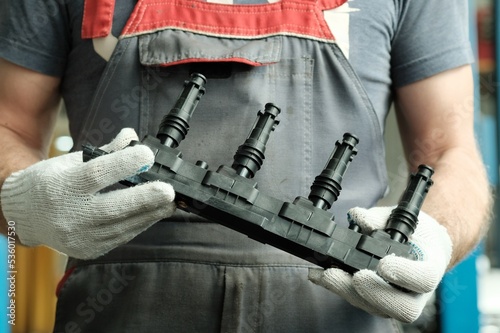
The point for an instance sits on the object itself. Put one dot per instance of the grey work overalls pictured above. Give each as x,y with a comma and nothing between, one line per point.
190,275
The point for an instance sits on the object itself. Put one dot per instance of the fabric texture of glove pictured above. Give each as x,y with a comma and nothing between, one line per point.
58,202
374,292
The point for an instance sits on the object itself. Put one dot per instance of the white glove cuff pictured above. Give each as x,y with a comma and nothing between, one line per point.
14,207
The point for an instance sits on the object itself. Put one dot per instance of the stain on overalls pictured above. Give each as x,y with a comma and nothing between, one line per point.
199,276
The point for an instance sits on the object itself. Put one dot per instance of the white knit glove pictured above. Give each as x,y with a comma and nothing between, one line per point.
371,291
56,202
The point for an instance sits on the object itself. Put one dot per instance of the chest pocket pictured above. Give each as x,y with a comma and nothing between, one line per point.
168,48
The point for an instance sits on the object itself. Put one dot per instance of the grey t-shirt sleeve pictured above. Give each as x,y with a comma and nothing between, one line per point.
35,34
431,37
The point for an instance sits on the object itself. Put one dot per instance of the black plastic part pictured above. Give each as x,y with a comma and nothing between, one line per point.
250,155
404,218
304,228
326,187
89,152
175,125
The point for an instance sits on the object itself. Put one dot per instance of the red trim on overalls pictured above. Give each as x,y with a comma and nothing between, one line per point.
63,280
205,60
294,17
97,18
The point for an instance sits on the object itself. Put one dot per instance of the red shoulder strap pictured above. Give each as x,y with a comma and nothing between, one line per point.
97,18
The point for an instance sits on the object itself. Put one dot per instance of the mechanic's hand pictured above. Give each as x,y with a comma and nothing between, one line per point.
371,290
56,202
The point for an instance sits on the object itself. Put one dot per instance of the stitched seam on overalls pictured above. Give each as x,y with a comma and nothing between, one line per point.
376,126
249,37
103,85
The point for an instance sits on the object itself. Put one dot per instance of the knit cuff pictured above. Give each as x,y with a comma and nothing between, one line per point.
14,207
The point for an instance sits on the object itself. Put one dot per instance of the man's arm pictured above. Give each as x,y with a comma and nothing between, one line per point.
66,187
435,116
29,102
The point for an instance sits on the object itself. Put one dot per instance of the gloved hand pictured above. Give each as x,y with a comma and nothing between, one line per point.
371,290
56,202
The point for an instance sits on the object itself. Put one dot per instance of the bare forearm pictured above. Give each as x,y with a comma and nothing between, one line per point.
460,199
29,102
16,155
436,120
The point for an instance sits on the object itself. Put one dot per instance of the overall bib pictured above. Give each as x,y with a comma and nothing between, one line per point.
186,274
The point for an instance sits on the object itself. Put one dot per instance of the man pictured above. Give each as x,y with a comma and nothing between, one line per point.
199,276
